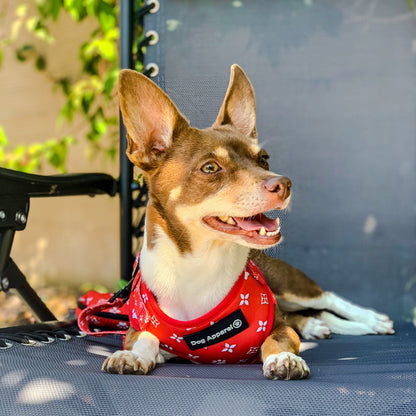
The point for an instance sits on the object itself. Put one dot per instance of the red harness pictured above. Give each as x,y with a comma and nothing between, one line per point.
232,332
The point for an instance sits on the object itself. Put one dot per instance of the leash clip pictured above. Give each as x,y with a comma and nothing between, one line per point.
124,293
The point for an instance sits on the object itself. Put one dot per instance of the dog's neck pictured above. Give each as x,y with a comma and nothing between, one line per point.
189,285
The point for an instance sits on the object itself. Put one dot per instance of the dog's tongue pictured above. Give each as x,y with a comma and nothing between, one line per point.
255,223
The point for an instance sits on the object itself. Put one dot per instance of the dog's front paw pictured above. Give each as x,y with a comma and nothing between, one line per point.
127,362
285,366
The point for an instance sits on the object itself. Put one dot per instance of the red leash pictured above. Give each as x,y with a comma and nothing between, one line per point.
88,316
99,312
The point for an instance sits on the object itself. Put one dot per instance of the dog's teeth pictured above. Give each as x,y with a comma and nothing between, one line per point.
227,220
262,231
273,233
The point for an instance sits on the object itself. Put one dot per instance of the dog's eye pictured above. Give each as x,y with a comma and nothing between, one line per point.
211,167
263,160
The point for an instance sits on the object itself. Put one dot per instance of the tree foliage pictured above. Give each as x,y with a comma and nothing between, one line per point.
88,96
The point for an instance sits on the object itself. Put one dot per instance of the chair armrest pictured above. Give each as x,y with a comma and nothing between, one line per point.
19,183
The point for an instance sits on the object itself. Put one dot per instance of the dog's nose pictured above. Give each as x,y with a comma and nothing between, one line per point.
279,185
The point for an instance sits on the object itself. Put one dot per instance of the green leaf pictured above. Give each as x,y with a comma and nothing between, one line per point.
43,7
107,49
40,63
87,100
19,150
56,157
32,23
55,8
121,284
109,83
68,110
107,21
76,9
65,84
3,138
38,28
23,53
85,287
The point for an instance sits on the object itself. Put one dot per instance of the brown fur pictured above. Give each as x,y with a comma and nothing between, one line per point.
284,279
131,338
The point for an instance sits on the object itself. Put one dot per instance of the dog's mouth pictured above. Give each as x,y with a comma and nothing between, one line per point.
257,230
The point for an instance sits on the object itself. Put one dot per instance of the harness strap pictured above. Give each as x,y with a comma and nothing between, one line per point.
87,314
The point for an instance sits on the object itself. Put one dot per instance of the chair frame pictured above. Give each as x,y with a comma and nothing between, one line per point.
18,188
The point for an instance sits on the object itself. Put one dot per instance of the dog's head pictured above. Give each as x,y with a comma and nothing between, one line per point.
210,185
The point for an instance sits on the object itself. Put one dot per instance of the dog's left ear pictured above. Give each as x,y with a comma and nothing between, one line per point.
239,106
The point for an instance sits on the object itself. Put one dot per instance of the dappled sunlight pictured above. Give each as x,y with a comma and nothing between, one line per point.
369,393
76,363
304,346
13,378
99,350
44,390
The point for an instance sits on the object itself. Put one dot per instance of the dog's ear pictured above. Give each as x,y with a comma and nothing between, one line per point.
239,106
151,119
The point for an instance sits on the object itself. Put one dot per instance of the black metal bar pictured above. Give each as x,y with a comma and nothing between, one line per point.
17,280
126,168
6,242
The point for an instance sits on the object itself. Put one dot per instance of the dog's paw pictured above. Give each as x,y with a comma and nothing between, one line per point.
285,366
379,323
315,329
127,362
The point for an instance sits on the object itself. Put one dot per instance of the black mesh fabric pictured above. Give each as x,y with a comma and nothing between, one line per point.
370,375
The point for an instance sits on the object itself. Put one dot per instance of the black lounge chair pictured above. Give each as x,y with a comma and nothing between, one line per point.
335,98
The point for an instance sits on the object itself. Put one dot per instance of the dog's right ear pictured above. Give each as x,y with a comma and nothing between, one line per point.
151,119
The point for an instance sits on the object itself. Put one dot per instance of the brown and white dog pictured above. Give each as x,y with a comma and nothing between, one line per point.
208,190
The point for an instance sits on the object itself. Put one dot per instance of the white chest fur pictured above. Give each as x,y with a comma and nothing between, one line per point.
189,285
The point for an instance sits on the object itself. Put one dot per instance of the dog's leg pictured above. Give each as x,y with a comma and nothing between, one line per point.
279,353
366,321
139,357
341,326
288,283
310,327
361,321
294,291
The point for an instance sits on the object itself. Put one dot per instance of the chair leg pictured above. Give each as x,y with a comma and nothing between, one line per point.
17,280
11,277
6,242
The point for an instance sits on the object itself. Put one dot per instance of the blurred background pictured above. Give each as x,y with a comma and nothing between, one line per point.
58,112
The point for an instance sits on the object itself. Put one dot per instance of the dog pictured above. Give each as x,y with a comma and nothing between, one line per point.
205,233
